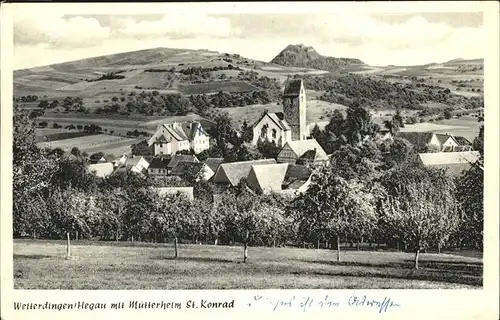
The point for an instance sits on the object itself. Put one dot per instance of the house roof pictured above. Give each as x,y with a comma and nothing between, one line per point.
277,118
159,163
296,176
268,177
453,169
462,141
292,87
191,128
183,166
214,163
187,191
442,138
101,169
446,158
134,160
181,157
233,172
416,138
302,146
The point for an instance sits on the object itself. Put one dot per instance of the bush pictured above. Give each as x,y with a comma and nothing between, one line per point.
411,120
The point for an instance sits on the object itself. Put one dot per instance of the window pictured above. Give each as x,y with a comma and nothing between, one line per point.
274,133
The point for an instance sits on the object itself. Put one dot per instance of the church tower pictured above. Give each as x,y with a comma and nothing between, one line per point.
294,108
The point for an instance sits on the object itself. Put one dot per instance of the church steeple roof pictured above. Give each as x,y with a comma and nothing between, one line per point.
292,87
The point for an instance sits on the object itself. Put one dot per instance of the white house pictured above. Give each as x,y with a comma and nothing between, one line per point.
273,127
437,141
136,163
101,169
172,137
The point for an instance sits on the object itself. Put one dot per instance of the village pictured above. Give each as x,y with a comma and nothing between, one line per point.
288,174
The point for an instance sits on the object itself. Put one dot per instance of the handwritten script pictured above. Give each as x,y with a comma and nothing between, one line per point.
305,303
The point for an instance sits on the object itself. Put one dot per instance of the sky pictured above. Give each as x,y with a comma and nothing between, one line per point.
377,39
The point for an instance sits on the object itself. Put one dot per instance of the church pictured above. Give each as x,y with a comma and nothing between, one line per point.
289,125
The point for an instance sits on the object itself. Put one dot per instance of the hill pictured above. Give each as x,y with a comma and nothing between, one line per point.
307,57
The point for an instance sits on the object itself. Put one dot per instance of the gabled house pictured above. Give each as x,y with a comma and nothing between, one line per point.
302,152
101,169
198,169
172,137
272,127
266,178
137,163
454,163
158,168
231,173
437,141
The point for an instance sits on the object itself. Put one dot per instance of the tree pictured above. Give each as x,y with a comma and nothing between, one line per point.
246,152
470,195
447,114
398,119
334,207
268,149
76,152
392,126
359,124
72,211
246,132
399,151
478,143
173,210
224,133
420,207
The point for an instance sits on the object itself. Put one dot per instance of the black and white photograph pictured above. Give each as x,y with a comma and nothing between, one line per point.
202,150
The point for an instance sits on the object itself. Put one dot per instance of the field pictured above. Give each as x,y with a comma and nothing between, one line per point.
61,136
93,143
40,264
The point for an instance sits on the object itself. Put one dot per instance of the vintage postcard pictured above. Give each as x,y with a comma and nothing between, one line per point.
335,160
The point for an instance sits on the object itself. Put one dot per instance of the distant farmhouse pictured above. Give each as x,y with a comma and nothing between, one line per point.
438,141
172,137
454,163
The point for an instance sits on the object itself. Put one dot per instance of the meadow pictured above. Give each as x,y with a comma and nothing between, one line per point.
94,143
41,264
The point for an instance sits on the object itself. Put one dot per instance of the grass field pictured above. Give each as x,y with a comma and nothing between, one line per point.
89,142
61,136
40,264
